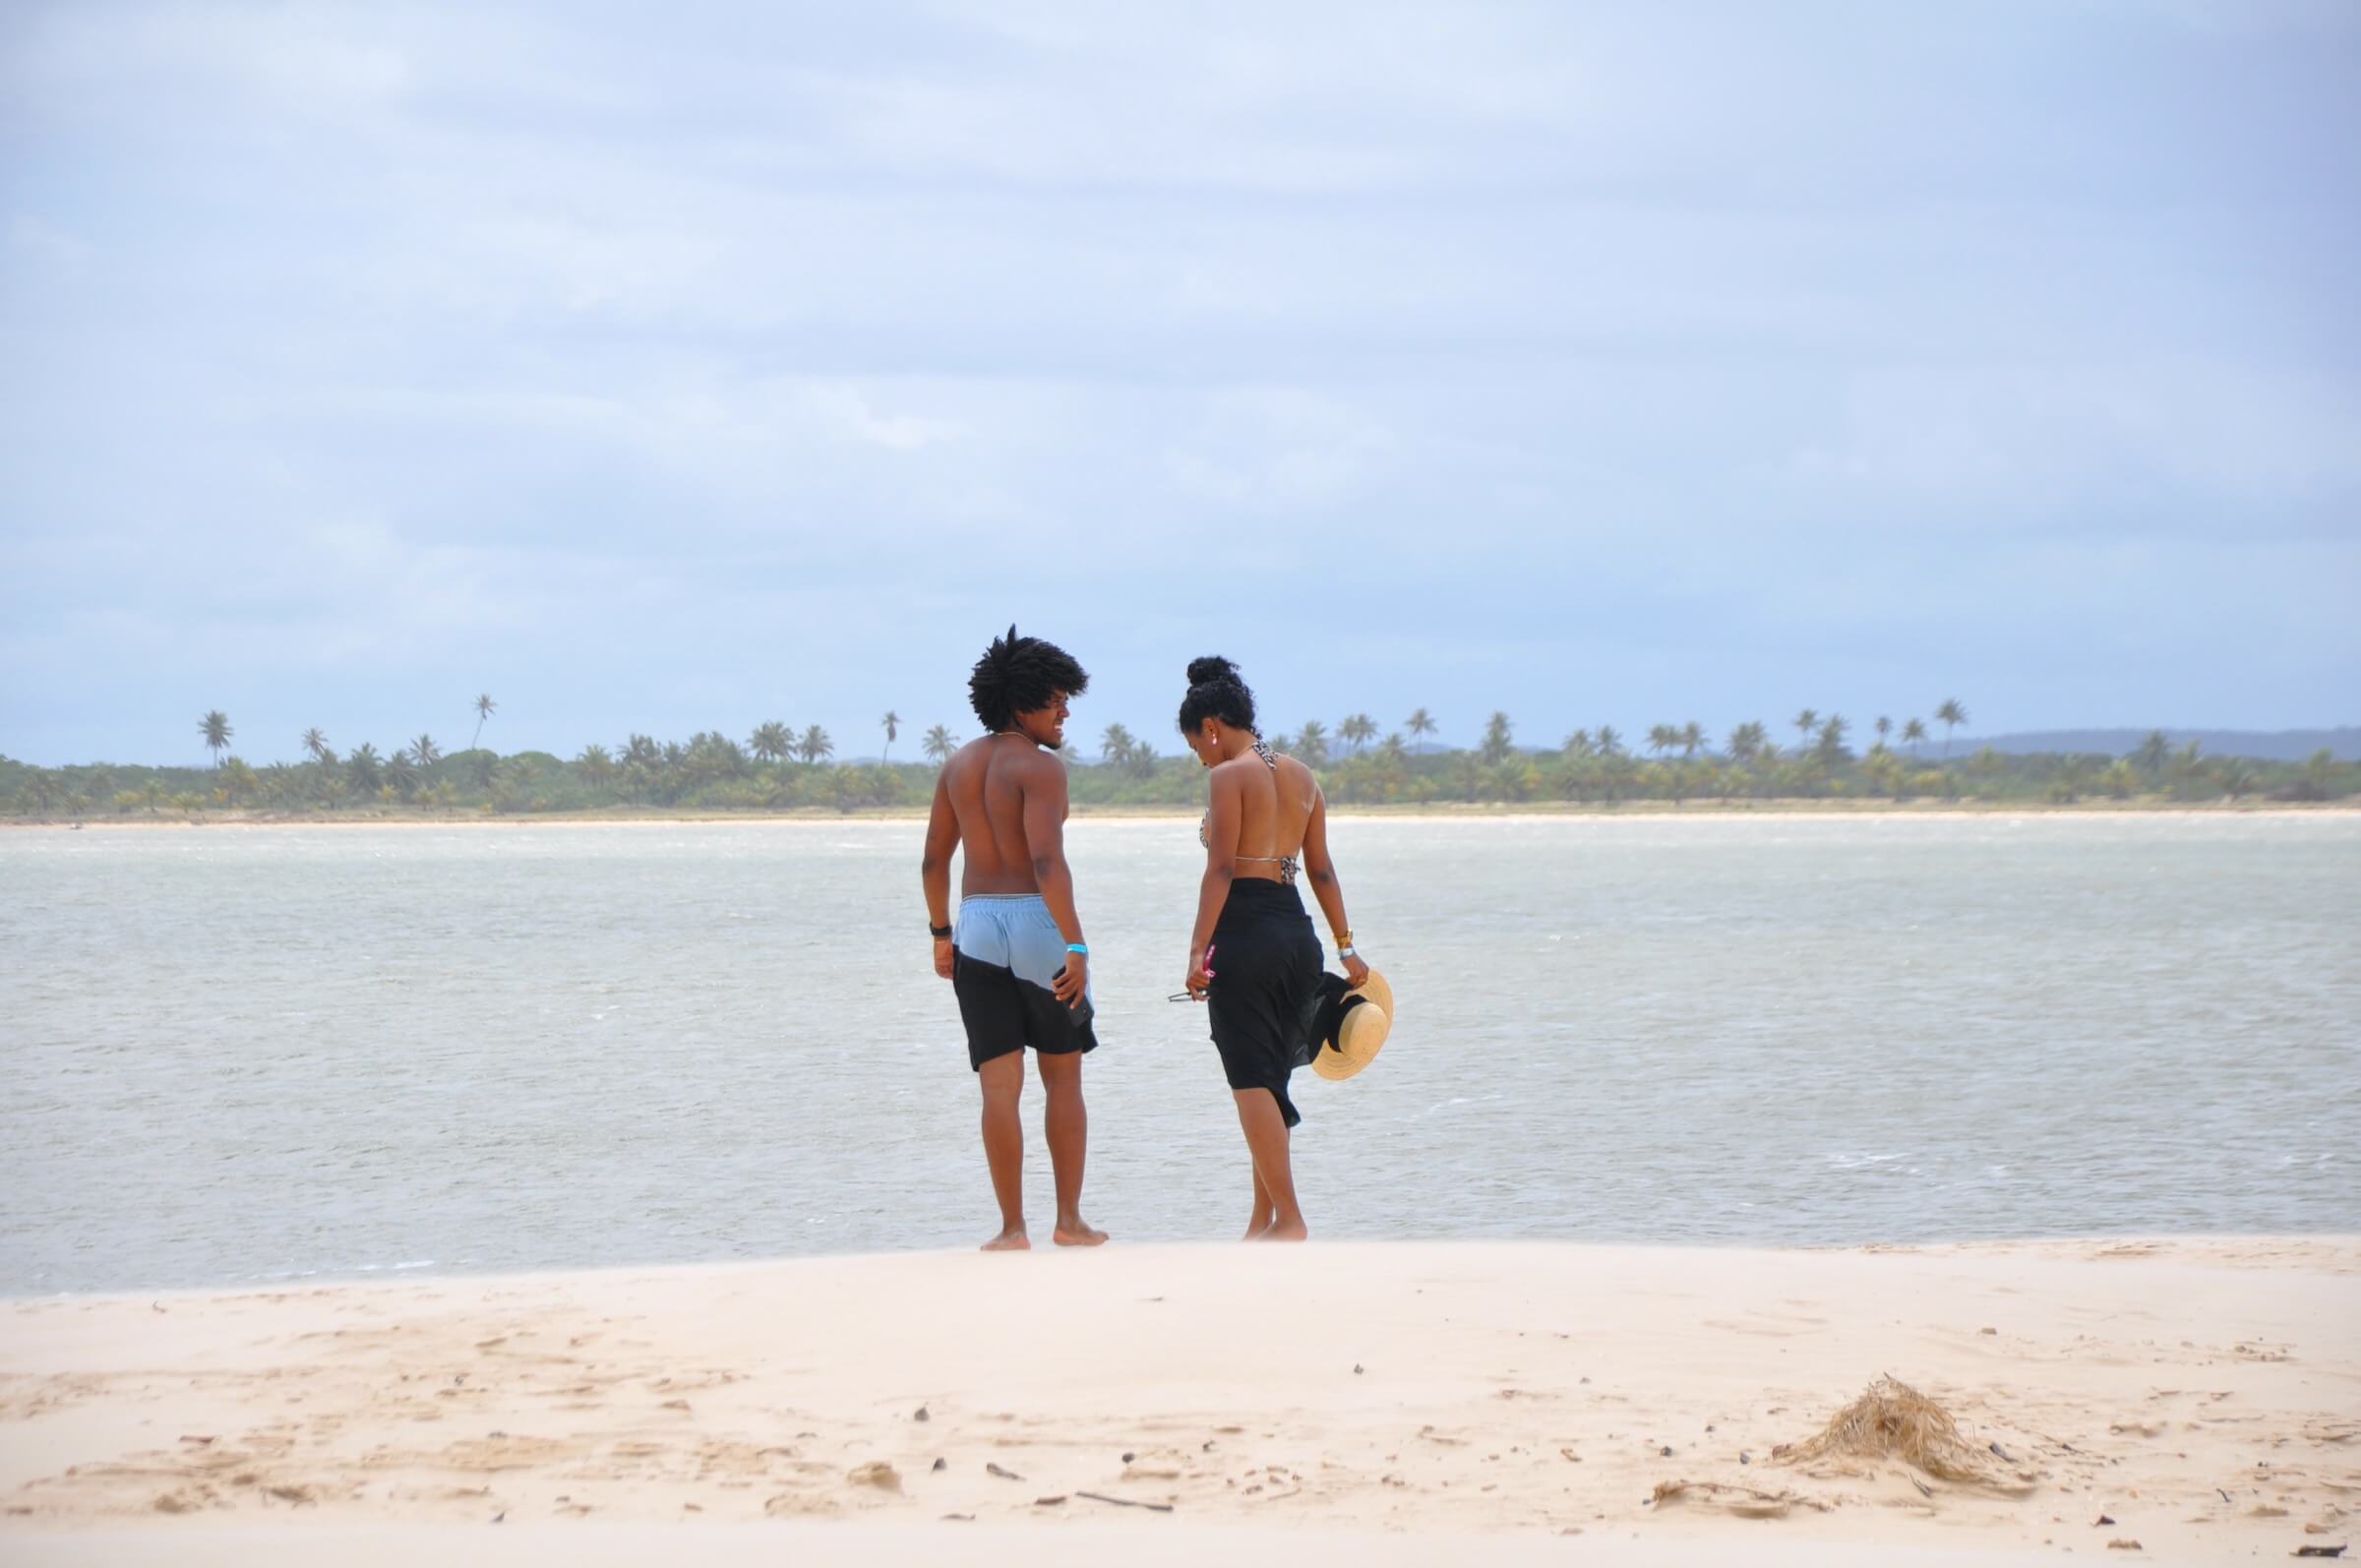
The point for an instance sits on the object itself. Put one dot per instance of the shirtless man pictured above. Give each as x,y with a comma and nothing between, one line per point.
1017,961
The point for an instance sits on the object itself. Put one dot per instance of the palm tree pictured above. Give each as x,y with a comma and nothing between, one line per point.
1805,723
1831,748
937,744
1948,715
1496,731
402,773
365,768
1912,732
1746,742
1610,742
1357,730
2153,754
424,751
1115,745
1662,738
1419,724
894,729
640,751
1885,727
316,745
596,766
771,741
1311,744
1577,745
215,727
484,706
816,745
713,755
1693,736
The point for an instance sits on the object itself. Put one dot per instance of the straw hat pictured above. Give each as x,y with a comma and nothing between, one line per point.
1368,1019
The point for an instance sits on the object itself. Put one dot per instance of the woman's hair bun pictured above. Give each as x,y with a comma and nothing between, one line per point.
1216,692
1201,671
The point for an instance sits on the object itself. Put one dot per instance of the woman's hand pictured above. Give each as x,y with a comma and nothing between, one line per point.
1355,970
1198,979
942,956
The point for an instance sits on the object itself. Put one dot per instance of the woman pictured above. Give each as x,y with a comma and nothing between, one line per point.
1253,955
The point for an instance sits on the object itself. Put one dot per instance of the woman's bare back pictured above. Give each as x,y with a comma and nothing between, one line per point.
1275,795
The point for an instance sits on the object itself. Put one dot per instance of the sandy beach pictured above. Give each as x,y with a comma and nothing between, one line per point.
2201,1398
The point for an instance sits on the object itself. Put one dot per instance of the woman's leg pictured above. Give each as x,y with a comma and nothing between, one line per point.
1266,1139
1259,1219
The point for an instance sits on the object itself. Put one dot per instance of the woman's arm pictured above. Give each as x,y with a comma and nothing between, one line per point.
1321,869
1222,818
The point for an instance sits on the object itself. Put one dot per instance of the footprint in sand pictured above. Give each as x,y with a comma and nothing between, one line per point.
877,1474
1158,1463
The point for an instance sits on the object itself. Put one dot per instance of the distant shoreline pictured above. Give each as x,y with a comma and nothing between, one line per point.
1440,811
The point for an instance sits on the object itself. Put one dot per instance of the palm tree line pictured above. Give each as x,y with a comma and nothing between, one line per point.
779,768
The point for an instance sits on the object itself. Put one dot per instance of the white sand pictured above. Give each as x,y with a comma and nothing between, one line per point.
2203,1394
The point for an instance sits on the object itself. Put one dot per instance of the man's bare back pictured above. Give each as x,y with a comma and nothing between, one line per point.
990,783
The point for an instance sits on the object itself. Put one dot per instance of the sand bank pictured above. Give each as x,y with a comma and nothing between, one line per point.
2204,1397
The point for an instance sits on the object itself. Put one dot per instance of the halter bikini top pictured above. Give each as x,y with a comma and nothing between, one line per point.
1285,863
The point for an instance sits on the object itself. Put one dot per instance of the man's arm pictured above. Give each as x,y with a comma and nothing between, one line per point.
935,868
1045,840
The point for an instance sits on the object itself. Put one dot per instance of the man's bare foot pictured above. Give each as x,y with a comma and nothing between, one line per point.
1285,1231
1076,1232
1013,1241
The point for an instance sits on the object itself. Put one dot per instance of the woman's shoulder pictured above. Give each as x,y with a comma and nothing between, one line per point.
1295,767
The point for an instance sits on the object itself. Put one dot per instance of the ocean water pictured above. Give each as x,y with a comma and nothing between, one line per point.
235,1055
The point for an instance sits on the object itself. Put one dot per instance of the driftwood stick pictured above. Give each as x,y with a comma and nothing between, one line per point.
1126,1502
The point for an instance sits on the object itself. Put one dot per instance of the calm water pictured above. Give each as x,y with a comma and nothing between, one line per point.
237,1055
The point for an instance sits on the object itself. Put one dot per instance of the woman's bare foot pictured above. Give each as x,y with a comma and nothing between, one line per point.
1285,1231
1011,1241
1074,1230
1255,1227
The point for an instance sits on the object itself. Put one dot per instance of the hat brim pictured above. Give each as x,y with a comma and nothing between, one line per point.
1361,1034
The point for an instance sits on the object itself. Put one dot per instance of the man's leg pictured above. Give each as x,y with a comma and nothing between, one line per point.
1003,1080
1068,1125
1266,1139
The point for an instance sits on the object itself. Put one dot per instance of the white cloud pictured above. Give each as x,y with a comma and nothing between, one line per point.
420,331
30,236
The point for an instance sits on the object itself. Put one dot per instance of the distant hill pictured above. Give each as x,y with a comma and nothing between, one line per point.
2276,746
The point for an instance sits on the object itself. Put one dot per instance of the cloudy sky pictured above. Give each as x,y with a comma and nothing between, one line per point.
678,367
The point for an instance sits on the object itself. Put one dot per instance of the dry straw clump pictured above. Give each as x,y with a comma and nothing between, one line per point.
1893,1421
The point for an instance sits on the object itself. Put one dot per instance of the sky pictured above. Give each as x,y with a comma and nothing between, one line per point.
683,368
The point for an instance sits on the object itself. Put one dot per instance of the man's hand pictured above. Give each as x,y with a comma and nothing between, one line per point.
942,956
1066,985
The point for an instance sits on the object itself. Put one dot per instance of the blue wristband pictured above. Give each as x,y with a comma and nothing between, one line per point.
1078,947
